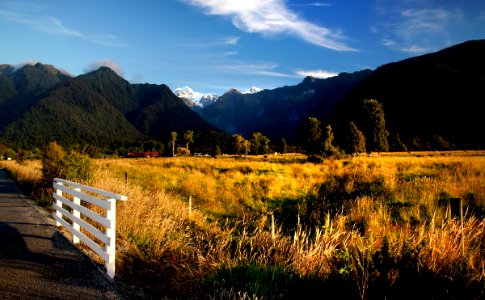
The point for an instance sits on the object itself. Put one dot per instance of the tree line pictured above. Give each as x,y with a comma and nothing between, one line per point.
366,132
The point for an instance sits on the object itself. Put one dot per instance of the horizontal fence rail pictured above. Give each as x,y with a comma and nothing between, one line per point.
72,201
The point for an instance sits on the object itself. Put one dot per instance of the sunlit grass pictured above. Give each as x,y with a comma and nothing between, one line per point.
393,226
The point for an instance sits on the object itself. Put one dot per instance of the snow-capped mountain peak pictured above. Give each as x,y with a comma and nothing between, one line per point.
192,98
252,90
188,93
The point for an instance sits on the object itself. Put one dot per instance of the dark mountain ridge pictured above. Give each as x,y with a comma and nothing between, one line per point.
434,95
40,104
19,88
278,113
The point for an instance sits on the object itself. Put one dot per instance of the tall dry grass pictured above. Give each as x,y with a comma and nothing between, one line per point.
25,173
369,227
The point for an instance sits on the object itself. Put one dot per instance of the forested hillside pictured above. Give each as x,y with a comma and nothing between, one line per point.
39,104
278,113
434,101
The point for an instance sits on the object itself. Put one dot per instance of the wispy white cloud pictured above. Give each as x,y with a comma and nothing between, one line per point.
416,30
272,17
105,63
230,53
210,42
314,4
406,47
264,69
316,73
24,63
427,20
232,40
53,25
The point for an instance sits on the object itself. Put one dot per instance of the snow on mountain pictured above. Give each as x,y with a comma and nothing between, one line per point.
252,90
208,99
196,99
187,93
192,98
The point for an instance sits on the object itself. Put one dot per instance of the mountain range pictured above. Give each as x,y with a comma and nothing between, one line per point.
198,100
195,99
429,98
433,101
278,113
38,103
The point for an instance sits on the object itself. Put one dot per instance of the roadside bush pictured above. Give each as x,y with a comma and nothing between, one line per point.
75,167
56,163
53,155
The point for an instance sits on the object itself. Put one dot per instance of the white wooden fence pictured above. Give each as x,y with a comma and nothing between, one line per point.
103,199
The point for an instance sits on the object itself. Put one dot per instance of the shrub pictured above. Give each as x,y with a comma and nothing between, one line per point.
337,191
75,167
216,151
182,151
53,154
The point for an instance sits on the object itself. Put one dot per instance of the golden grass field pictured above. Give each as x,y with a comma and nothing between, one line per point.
374,225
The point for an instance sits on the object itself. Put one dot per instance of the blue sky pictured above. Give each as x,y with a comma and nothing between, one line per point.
214,45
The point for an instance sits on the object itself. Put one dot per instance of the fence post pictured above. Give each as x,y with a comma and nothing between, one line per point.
190,206
77,214
462,237
111,234
104,242
59,203
272,227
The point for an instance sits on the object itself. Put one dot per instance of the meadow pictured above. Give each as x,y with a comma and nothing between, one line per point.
395,225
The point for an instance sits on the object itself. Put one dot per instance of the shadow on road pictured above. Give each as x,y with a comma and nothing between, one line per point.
37,261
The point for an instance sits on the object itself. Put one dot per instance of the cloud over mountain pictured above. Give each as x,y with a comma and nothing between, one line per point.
105,63
316,73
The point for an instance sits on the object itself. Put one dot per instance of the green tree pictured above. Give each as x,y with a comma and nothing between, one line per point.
374,126
216,151
440,143
356,140
311,131
173,140
189,138
416,144
328,148
397,144
238,143
260,143
283,146
246,147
